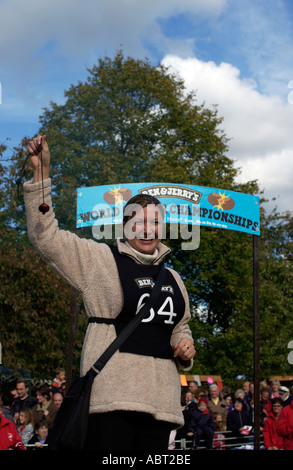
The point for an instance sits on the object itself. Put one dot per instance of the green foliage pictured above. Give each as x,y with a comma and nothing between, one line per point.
130,122
133,122
276,292
34,311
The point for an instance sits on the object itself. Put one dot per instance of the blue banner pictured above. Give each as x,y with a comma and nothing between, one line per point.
185,204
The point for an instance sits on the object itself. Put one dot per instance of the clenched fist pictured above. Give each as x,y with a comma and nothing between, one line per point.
35,146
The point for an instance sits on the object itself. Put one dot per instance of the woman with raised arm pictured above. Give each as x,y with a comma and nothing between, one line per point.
135,399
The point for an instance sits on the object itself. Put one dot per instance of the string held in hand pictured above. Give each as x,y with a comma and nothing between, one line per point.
43,207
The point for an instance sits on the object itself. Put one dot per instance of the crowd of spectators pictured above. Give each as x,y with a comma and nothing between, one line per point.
211,414
27,416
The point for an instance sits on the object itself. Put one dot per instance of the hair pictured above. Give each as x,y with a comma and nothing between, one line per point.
141,201
275,381
238,400
40,424
229,395
203,392
220,425
45,391
203,400
214,385
59,370
192,382
239,392
7,399
23,381
28,416
277,400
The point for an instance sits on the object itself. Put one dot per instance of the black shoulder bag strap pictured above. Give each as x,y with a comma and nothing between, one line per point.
130,327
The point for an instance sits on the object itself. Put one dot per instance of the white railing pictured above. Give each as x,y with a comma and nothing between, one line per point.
229,442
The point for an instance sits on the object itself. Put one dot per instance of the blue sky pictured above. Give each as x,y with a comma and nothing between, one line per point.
236,54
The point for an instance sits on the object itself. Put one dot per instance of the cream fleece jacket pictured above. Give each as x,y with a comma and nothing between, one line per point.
128,381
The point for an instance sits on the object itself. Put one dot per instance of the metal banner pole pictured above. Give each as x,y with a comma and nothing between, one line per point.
256,330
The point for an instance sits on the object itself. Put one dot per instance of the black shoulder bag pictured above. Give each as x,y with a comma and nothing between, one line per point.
71,422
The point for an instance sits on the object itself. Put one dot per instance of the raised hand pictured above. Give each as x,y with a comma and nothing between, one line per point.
40,160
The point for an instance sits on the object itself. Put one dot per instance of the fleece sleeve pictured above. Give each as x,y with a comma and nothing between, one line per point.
70,256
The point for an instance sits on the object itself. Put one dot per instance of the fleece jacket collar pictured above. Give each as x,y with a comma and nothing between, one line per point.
124,248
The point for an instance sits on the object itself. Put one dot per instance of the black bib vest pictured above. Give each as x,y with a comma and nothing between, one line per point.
152,336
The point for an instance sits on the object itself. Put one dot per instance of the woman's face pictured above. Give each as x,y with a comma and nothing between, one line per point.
144,230
277,408
41,398
238,406
228,400
275,387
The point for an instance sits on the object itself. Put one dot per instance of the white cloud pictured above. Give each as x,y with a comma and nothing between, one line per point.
76,26
49,44
265,29
45,46
260,126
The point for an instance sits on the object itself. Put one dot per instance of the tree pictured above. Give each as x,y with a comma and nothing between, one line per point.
130,122
134,122
276,292
3,172
34,312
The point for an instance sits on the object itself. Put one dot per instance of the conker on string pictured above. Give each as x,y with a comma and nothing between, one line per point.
44,208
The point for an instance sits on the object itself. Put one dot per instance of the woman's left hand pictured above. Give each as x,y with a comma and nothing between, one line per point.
184,349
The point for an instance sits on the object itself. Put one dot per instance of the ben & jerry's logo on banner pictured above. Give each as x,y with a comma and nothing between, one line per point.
185,204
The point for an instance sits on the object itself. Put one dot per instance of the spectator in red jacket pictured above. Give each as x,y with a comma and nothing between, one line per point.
9,437
285,426
272,440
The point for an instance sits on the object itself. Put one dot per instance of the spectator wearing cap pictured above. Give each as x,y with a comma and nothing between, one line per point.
202,425
285,395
